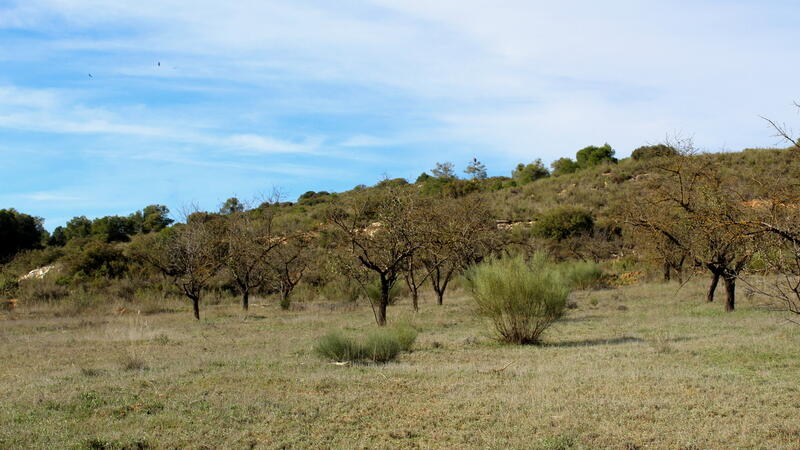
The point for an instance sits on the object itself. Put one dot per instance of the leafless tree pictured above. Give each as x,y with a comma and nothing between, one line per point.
695,207
288,263
249,241
380,233
188,254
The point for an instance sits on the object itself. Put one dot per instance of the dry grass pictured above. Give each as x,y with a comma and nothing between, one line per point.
667,372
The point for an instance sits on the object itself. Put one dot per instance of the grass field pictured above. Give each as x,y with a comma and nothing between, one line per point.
645,366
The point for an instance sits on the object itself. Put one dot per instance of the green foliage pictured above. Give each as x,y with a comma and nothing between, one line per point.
231,206
98,259
19,232
583,274
522,299
381,345
444,170
423,177
653,151
525,174
476,170
114,228
564,222
310,198
392,182
563,166
592,156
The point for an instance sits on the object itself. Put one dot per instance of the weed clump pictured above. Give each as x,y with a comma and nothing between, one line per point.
378,346
521,298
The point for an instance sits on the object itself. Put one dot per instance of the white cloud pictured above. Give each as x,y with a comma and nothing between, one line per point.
265,144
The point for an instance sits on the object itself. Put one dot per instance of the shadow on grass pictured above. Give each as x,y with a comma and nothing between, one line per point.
595,342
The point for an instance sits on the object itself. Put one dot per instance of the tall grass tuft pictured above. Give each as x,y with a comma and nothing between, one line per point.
379,345
521,299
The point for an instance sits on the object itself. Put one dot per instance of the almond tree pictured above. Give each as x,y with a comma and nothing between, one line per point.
188,254
288,262
694,206
380,233
461,232
248,241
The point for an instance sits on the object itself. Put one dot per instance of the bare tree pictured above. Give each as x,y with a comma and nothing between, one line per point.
188,254
461,232
380,235
783,132
694,206
248,242
288,263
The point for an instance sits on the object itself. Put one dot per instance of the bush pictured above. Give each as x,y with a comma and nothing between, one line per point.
380,345
561,223
653,151
583,274
522,299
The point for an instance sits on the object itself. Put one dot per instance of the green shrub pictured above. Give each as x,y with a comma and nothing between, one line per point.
583,274
379,345
522,299
561,223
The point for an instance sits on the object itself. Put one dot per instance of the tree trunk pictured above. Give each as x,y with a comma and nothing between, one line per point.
712,287
196,306
441,286
285,301
384,300
415,299
730,291
667,269
246,299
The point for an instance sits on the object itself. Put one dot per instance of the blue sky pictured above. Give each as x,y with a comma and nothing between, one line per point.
316,95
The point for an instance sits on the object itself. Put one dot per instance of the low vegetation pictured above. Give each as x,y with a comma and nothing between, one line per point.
377,346
520,298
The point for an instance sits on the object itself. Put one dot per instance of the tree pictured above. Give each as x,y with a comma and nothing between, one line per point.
155,218
444,170
113,228
188,254
78,227
694,204
288,263
231,206
380,234
525,174
460,233
563,166
476,170
248,240
19,232
592,155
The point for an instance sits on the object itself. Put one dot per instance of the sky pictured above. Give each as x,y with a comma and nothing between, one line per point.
109,106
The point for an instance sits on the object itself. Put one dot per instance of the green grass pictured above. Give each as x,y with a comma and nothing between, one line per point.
669,371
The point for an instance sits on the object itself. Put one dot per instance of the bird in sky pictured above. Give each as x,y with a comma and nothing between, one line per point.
90,76
159,64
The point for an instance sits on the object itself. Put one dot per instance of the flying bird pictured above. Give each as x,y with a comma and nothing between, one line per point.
159,64
90,76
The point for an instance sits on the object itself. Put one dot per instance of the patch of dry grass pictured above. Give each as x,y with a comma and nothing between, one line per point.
666,371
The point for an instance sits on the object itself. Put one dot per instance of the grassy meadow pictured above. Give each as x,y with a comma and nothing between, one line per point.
644,366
